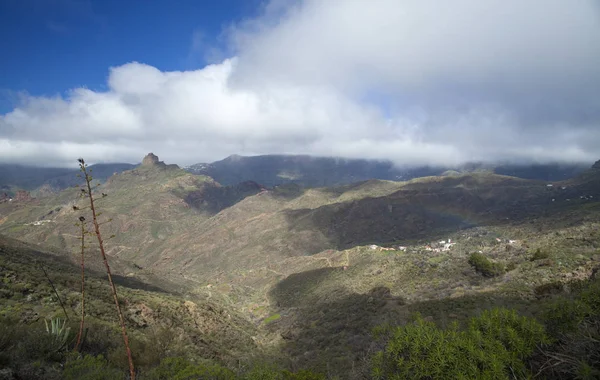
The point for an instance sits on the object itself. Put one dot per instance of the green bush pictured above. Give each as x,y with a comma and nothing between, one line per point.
494,346
90,368
273,373
549,288
575,326
566,315
590,295
484,266
43,343
539,255
181,369
156,344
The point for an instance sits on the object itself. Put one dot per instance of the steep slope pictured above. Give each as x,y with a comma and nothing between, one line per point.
199,325
144,205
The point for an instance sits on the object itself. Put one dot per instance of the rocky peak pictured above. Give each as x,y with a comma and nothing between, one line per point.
596,165
152,160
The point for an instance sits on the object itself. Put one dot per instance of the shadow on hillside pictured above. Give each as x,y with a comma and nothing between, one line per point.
19,252
287,191
385,220
289,292
334,333
214,199
128,282
410,215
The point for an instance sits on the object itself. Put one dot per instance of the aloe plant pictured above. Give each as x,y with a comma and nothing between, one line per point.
59,330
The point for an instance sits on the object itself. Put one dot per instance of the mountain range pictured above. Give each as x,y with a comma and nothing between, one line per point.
307,270
273,170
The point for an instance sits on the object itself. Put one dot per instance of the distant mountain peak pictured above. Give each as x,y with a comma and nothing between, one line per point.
596,165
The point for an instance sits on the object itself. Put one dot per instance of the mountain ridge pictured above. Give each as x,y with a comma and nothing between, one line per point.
309,171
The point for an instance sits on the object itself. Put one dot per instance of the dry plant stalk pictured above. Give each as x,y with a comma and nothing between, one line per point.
80,334
62,305
90,194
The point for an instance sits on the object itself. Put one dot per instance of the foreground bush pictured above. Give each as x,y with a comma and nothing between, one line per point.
494,346
271,373
91,368
182,369
575,326
484,266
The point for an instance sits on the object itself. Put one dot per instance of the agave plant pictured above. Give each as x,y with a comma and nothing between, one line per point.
59,331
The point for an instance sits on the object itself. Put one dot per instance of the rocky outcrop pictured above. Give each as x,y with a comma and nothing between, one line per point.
151,160
596,165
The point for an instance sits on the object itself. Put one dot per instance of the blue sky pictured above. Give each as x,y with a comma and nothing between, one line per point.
413,81
50,46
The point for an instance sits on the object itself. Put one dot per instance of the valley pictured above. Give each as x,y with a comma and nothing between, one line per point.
301,276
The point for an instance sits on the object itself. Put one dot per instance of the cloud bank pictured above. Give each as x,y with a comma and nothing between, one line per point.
413,81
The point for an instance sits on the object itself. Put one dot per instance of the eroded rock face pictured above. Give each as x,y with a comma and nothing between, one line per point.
151,160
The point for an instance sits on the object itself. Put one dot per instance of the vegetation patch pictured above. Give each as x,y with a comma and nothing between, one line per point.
493,346
484,266
272,318
540,255
574,323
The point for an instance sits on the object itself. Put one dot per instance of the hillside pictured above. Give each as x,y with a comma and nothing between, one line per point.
314,270
161,321
178,224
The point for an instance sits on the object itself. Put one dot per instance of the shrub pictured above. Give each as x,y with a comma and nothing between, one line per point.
90,368
181,369
539,255
493,347
272,318
590,295
566,315
575,325
273,373
548,289
39,344
511,266
484,266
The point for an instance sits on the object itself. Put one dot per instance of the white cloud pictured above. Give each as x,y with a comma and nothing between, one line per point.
412,81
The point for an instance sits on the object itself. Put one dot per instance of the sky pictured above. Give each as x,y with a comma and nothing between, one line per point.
418,82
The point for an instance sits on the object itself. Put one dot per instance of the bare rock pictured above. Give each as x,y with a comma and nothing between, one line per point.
151,160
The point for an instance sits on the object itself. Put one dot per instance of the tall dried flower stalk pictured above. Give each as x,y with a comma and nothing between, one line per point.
90,195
